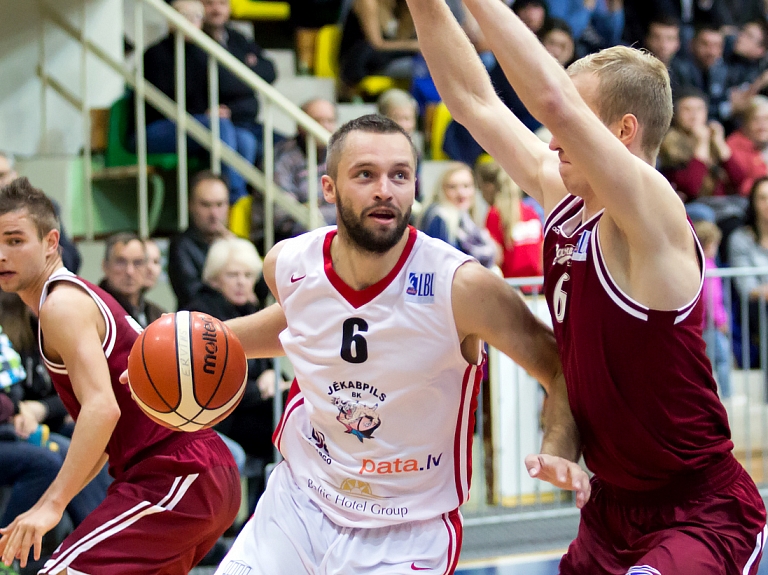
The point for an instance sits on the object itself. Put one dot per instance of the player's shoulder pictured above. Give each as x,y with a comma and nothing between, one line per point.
67,304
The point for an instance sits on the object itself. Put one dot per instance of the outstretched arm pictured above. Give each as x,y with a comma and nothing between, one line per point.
486,307
70,310
465,88
636,197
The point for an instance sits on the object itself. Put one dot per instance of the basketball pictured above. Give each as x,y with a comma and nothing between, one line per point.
187,371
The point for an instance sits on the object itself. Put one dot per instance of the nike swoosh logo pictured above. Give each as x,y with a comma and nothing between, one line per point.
413,566
294,280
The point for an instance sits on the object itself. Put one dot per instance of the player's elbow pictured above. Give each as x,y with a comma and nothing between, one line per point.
551,107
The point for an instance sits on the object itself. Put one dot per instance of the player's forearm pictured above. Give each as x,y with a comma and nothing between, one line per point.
259,332
561,436
95,471
456,69
537,78
95,424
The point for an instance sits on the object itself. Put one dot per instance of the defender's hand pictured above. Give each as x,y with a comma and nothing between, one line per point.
560,473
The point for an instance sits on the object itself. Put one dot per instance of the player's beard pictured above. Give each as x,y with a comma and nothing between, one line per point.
366,239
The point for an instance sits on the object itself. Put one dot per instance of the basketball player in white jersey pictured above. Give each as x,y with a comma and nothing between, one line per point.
384,327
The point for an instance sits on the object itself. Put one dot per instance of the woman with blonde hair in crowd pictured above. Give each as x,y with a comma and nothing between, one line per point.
449,218
515,227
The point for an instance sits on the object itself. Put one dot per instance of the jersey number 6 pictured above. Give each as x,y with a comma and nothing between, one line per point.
354,348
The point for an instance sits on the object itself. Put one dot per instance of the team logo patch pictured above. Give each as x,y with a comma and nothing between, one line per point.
420,288
643,570
564,254
359,419
580,253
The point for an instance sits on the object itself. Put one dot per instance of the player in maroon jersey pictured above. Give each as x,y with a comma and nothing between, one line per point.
174,493
623,276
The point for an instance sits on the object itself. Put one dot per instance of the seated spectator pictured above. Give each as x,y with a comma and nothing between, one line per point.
125,269
237,101
449,219
533,13
747,65
705,69
516,229
378,38
400,107
663,38
746,248
291,171
749,144
715,317
558,39
208,212
231,270
159,70
154,265
694,155
595,23
639,13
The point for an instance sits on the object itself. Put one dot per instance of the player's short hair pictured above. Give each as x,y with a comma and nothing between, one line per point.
21,195
204,176
634,82
707,232
224,250
370,123
119,238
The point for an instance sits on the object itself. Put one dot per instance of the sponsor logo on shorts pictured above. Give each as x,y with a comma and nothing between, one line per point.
357,495
643,570
399,465
237,568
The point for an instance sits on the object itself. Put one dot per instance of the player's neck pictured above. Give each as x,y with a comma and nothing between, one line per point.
360,268
591,206
31,294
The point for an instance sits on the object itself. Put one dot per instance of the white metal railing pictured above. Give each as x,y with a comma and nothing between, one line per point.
186,125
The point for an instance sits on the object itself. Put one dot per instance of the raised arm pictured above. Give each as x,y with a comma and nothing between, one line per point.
70,310
636,197
465,88
485,307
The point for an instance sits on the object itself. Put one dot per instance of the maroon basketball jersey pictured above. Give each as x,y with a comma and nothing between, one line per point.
135,432
639,382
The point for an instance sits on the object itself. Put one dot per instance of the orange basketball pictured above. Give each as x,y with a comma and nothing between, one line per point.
187,371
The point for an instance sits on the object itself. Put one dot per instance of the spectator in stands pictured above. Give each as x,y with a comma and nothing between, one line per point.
515,227
715,318
596,23
533,13
558,39
237,101
125,275
399,106
747,65
747,247
154,265
231,270
159,70
378,38
638,14
292,173
663,38
208,212
705,70
694,155
749,144
449,219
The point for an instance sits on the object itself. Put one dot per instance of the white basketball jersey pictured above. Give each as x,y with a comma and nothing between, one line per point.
378,425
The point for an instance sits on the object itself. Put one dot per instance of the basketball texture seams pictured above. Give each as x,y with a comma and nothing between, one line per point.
187,371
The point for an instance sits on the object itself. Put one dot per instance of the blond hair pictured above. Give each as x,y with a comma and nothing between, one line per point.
395,98
448,212
507,203
707,232
631,82
226,250
757,103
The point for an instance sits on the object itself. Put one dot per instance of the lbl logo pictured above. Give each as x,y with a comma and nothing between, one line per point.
421,288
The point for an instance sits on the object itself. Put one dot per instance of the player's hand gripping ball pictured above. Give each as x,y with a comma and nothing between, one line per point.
187,371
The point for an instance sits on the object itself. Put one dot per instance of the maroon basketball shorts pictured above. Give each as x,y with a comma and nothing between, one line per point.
160,517
714,527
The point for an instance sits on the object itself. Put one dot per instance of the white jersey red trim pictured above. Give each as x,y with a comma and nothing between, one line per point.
378,425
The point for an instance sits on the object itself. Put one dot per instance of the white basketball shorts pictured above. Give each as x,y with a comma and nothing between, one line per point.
289,535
